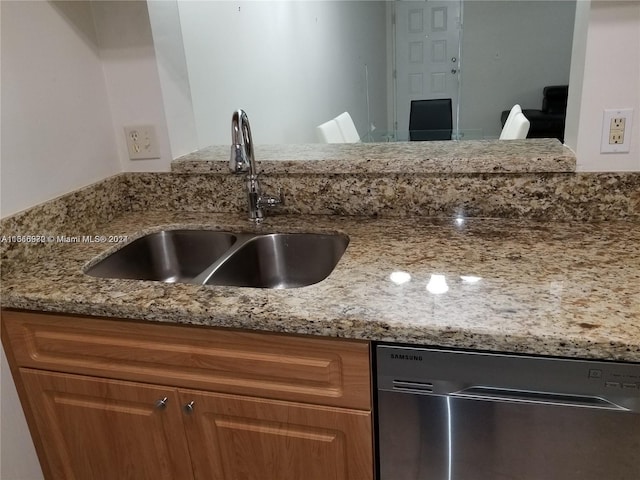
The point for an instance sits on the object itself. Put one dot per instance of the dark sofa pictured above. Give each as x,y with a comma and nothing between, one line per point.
549,121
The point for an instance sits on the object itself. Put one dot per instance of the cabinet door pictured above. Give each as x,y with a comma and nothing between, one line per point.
243,438
106,430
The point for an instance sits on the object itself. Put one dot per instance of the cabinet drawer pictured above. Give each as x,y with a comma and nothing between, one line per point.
313,370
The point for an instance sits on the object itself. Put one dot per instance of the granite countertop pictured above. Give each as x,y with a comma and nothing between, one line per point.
422,158
562,289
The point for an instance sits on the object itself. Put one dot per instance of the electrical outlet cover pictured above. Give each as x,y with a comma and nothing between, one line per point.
142,142
616,130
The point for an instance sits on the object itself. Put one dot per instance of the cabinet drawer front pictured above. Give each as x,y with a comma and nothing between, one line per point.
314,370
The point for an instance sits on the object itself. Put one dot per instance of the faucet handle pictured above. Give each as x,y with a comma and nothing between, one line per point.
270,201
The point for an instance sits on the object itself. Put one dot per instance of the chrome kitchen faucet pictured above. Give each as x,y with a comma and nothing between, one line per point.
243,160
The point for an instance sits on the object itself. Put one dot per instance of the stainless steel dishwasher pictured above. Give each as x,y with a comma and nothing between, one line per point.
451,415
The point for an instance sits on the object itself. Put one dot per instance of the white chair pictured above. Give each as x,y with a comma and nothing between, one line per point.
329,132
517,129
507,124
348,128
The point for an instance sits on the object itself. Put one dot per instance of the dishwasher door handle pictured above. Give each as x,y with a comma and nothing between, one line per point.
536,398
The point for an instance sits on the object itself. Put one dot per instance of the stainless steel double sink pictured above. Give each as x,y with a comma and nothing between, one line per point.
211,257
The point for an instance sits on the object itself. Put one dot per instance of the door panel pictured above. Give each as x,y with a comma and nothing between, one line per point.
105,430
424,437
427,54
242,438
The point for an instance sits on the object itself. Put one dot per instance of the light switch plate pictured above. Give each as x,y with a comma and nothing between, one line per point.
142,142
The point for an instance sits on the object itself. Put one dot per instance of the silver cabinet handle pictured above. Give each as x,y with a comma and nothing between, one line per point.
188,408
161,404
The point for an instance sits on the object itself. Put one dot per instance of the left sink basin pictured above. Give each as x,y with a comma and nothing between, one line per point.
165,256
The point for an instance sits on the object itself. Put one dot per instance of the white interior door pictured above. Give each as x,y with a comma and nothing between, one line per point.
427,55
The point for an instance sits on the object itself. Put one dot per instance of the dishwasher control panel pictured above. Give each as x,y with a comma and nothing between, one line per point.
435,371
613,377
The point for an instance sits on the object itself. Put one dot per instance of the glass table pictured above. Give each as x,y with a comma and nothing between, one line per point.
377,136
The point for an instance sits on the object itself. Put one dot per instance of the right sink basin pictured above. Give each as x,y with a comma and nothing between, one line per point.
281,260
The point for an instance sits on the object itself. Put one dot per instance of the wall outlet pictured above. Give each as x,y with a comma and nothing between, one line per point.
616,130
142,142
616,137
617,123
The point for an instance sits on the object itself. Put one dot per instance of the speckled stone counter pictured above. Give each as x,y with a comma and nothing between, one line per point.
562,289
469,156
541,196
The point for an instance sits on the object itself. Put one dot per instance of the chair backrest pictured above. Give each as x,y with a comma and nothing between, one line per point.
329,132
517,129
507,124
430,119
554,99
348,128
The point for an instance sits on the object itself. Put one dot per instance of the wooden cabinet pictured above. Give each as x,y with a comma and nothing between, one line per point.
120,399
242,438
104,429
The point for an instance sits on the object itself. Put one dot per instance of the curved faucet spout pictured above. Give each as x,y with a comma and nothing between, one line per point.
242,155
243,160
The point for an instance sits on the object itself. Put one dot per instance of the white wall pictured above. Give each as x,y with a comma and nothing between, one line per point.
611,80
75,74
131,74
576,78
290,65
510,52
174,78
56,122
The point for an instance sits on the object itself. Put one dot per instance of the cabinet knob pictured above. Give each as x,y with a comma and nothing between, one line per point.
188,408
161,404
